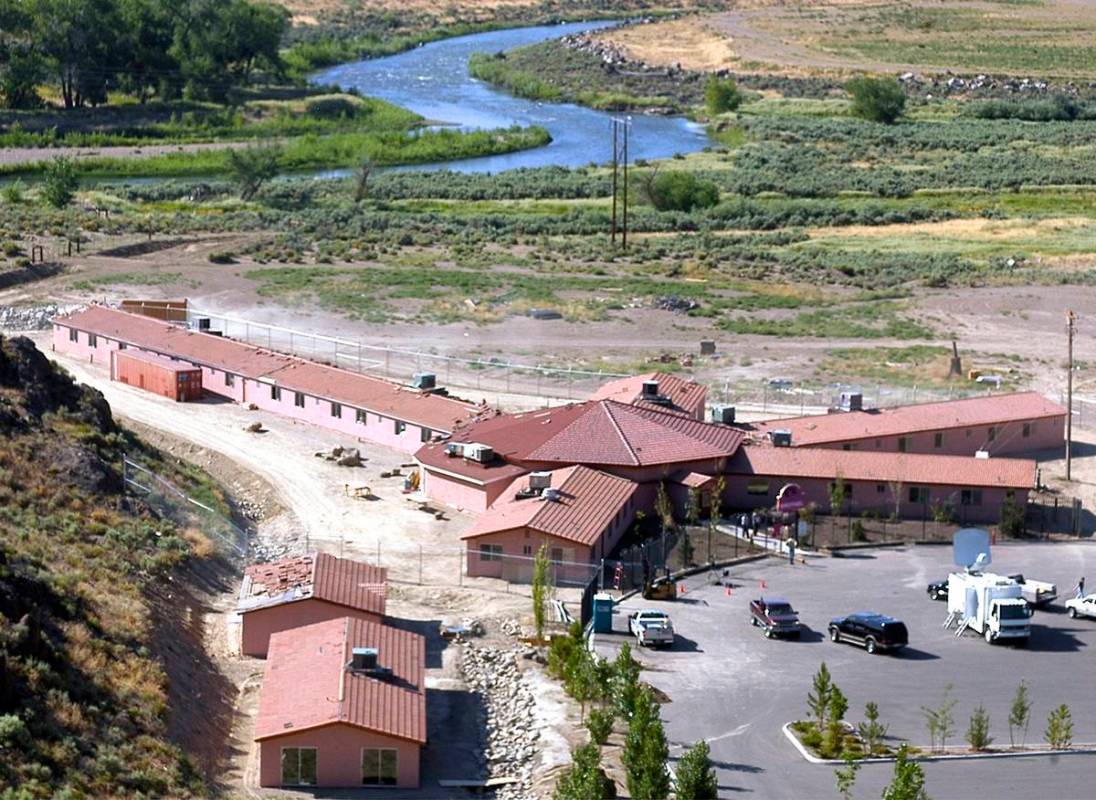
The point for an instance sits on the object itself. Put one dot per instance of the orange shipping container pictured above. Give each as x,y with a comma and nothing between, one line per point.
177,380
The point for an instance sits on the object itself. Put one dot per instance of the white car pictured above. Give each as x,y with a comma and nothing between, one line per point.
652,628
1082,606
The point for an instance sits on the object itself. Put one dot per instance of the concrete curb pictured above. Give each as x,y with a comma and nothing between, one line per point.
1084,749
836,550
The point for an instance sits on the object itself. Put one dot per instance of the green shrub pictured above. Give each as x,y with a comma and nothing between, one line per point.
13,732
876,99
332,108
721,95
680,191
60,182
600,724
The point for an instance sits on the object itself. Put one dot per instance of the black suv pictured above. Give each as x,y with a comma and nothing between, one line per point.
873,632
938,590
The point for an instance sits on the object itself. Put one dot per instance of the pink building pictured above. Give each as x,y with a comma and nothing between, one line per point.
300,591
343,705
659,391
1024,423
368,408
579,512
910,484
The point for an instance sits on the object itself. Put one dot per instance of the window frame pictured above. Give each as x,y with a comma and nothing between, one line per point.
1028,429
298,399
425,435
971,497
74,335
93,340
336,410
938,439
919,494
490,552
275,392
230,379
315,765
380,755
361,417
399,426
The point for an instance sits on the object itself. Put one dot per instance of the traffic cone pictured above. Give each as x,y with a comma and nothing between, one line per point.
764,585
728,591
681,588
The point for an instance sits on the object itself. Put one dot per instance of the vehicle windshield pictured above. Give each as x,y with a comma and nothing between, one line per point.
781,609
1015,612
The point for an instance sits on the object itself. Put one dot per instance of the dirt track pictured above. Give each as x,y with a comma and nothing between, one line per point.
31,155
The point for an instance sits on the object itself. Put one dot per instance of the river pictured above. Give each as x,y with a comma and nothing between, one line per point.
433,81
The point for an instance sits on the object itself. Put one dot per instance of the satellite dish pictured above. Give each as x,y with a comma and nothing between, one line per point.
970,548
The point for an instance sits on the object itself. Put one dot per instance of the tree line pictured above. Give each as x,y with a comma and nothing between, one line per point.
150,49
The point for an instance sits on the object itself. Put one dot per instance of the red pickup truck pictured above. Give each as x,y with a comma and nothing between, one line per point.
774,616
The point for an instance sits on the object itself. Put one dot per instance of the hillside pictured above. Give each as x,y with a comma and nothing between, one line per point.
84,699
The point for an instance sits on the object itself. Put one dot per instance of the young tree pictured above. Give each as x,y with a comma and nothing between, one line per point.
584,779
600,724
1019,715
846,776
941,720
625,682
818,699
838,493
876,99
721,95
251,167
361,179
695,775
872,731
1012,518
60,183
646,751
675,190
978,730
664,508
1059,731
835,713
542,588
908,782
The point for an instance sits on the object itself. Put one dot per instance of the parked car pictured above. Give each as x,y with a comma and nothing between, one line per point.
874,632
938,590
1081,606
774,616
1037,593
652,628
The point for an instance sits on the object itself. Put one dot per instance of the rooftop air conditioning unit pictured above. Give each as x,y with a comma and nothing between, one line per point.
981,454
551,495
363,659
454,449
424,381
851,401
781,438
650,389
480,453
723,415
203,323
540,480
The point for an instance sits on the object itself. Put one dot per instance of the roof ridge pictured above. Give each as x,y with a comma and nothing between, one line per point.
616,426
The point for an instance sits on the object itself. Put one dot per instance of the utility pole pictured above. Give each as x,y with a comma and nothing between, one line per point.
615,153
624,235
1070,319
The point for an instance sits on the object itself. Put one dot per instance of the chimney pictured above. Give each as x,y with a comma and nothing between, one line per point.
650,388
363,659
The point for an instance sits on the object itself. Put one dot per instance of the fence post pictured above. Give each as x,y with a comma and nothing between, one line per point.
460,566
420,565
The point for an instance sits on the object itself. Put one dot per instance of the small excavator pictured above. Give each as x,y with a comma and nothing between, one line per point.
660,585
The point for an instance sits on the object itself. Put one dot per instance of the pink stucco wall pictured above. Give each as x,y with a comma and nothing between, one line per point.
869,496
258,625
458,494
338,756
377,429
1047,434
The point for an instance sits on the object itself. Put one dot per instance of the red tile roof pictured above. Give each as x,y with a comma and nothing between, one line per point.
307,683
342,581
875,423
686,396
383,397
693,480
588,503
861,465
600,433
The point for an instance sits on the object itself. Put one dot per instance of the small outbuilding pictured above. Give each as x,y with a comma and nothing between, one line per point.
300,591
176,380
343,705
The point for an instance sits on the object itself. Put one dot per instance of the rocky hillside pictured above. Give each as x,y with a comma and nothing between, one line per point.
84,698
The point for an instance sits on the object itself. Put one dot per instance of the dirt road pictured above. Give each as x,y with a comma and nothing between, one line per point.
31,155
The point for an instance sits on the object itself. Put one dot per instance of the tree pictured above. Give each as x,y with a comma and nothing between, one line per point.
251,167
21,70
1012,518
584,779
646,751
835,713
695,775
721,95
679,191
896,487
1019,715
872,732
542,588
941,720
846,776
1059,731
908,782
978,730
600,724
60,182
818,699
876,99
625,681
838,492
79,43
361,179
664,508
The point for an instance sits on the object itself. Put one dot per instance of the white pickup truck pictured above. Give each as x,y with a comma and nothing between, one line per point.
1037,593
652,628
1081,606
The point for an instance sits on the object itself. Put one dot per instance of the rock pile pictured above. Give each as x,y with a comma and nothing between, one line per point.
32,318
508,701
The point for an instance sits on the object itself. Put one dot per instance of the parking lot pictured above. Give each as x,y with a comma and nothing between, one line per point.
730,685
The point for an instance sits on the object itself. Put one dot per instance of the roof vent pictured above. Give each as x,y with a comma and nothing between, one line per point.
540,480
454,449
723,415
981,454
424,381
650,389
363,659
851,401
551,495
480,453
781,438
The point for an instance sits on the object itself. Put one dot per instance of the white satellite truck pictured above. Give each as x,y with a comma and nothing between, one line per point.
989,604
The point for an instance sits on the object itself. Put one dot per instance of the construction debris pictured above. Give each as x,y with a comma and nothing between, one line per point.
343,456
32,318
255,427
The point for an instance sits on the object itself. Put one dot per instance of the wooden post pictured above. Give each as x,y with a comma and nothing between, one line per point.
1070,319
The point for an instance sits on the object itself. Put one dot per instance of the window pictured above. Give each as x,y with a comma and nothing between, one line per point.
336,410
991,434
400,426
880,488
527,549
846,447
276,393
379,767
122,345
757,487
426,435
74,335
903,444
298,400
298,766
968,433
971,497
878,443
360,416
938,440
919,494
556,555
490,552
93,340
230,379
1029,428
